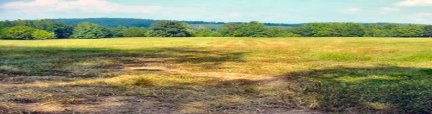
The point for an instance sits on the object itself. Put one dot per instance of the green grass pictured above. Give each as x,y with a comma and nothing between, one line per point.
217,75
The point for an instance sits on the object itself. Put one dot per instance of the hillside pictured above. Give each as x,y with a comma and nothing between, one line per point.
130,22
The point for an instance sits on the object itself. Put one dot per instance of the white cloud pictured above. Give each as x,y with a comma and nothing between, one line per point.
40,9
386,10
414,3
53,6
352,10
422,17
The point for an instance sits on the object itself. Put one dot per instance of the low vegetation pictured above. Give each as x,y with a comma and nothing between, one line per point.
216,75
26,33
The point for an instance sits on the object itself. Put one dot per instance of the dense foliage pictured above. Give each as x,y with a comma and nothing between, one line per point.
252,29
332,30
61,30
169,29
428,31
134,32
23,29
18,32
205,32
90,30
146,23
26,33
41,34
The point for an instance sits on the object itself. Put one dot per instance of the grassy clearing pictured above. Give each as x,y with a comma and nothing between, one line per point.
217,75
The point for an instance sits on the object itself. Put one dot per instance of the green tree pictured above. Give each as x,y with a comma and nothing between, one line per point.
281,32
410,30
61,30
348,29
169,29
229,29
376,30
18,32
252,29
90,30
2,26
332,30
41,34
205,32
427,30
20,22
134,32
315,29
117,31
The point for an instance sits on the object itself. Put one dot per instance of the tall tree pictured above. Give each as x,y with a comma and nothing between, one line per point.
252,29
229,29
169,29
90,30
61,30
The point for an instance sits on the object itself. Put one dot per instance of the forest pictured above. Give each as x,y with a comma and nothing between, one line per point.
106,28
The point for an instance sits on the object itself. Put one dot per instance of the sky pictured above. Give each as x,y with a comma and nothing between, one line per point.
274,11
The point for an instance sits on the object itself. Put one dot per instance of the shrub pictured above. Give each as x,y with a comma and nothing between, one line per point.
134,32
41,34
18,32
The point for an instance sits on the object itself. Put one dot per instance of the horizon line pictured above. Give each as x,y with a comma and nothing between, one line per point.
219,21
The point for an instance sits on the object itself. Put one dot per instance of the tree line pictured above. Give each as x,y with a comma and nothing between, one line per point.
49,29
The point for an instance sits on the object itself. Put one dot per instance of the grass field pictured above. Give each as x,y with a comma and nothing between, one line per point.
217,75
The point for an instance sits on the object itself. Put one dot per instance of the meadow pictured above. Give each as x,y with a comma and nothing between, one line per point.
216,75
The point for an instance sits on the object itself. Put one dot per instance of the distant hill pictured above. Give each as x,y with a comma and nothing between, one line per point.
146,23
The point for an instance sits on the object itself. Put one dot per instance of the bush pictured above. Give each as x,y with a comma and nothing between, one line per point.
134,32
170,29
18,32
25,33
41,34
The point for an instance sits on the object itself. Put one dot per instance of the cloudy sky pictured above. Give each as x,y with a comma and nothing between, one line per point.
279,11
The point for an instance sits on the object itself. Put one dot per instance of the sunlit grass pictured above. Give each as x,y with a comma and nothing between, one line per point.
220,75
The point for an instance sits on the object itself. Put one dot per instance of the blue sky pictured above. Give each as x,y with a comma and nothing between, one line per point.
277,11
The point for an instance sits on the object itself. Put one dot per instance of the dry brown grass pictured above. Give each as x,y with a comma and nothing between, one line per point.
210,75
